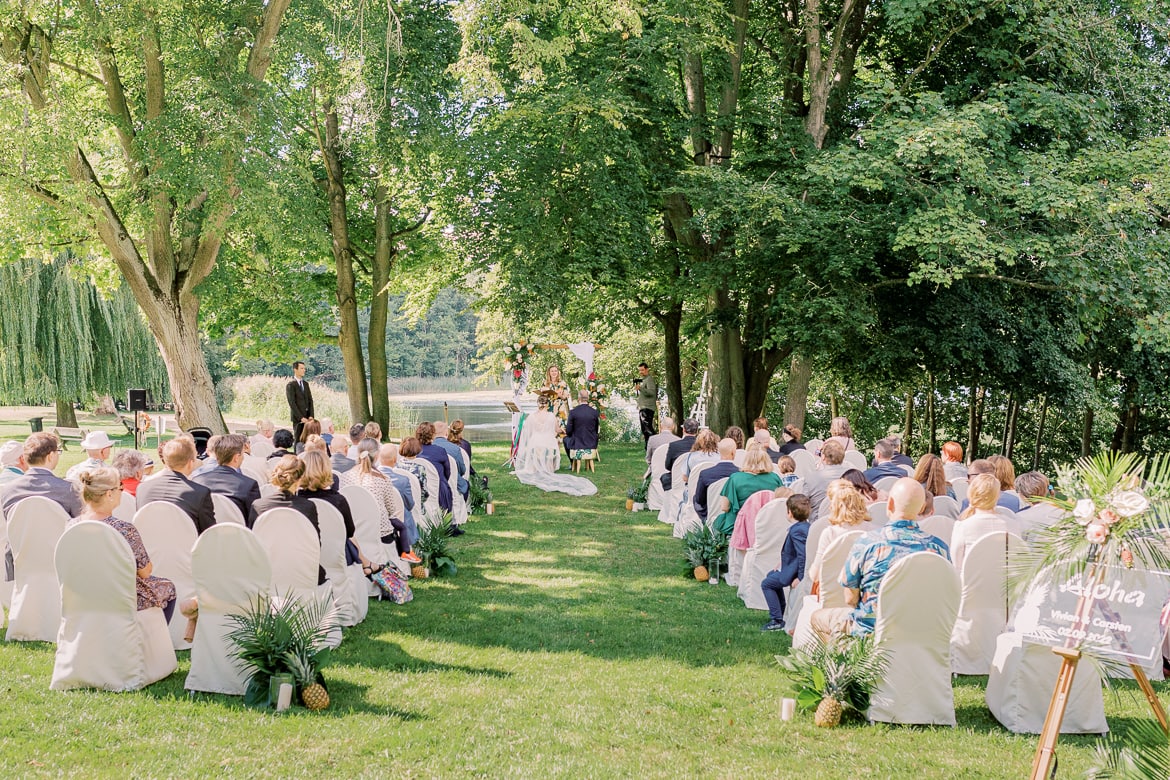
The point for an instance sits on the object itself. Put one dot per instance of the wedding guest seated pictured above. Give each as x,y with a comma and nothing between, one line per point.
41,451
403,482
314,443
391,508
786,468
225,477
373,432
357,432
1032,487
101,490
832,467
282,440
901,458
310,428
1005,472
408,451
97,446
665,435
761,424
869,493
883,462
455,436
932,475
677,448
131,466
12,463
207,462
841,432
327,432
174,485
756,474
952,456
437,457
286,478
264,432
712,474
791,563
1008,501
582,427
790,440
320,482
735,433
705,449
846,513
340,461
871,558
980,518
456,452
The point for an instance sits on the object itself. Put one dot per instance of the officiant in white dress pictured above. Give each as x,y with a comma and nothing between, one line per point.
538,455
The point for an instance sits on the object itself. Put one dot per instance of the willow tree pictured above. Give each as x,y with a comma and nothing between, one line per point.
127,123
63,339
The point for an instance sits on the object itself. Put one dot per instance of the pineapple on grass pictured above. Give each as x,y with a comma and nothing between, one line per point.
836,676
304,670
704,547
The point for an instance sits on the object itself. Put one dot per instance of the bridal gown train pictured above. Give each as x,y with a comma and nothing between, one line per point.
539,456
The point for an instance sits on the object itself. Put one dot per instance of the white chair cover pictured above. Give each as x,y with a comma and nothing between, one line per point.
985,605
669,512
5,587
226,510
431,509
714,493
688,518
737,558
803,604
103,640
738,458
655,495
231,572
332,527
34,526
364,508
856,460
879,513
772,526
939,526
812,445
168,535
1020,686
806,463
261,449
946,506
458,503
885,483
294,551
256,467
126,508
916,608
960,487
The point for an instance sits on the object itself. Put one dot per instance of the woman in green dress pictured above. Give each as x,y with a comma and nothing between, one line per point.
756,474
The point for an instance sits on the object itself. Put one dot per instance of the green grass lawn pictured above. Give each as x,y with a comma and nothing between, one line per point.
569,644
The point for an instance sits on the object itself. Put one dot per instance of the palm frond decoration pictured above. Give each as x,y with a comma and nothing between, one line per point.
1142,752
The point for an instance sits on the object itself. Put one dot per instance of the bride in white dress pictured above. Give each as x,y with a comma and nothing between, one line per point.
538,456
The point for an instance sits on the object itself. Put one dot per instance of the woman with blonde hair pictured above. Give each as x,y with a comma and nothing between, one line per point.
556,391
1005,472
847,512
704,450
756,474
391,509
980,518
840,431
931,474
101,492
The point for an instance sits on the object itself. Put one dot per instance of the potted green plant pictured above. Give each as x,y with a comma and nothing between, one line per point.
283,639
640,494
434,547
835,675
479,497
631,491
704,548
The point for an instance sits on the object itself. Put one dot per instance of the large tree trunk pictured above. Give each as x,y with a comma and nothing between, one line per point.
379,309
66,415
973,424
932,443
796,404
176,329
349,332
725,366
908,423
671,338
1040,433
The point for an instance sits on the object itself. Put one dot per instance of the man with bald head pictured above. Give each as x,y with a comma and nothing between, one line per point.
712,474
873,555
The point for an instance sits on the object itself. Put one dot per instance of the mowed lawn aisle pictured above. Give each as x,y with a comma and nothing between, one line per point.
568,645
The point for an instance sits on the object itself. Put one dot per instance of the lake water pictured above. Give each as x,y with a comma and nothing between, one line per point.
483,420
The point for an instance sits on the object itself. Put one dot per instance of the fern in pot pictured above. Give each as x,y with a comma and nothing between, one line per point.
434,547
836,676
479,497
284,639
705,549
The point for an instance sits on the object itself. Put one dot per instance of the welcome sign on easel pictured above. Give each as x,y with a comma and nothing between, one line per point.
1110,611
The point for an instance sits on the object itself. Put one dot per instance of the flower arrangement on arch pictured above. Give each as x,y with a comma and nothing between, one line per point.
1116,511
598,393
517,354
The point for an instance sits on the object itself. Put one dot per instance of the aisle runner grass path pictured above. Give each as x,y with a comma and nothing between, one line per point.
568,645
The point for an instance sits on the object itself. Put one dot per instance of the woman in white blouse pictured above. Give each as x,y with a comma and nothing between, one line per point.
847,513
980,519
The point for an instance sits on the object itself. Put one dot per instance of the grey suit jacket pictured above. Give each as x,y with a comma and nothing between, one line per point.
174,488
340,463
42,482
225,480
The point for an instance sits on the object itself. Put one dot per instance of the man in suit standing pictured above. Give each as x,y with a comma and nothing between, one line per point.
300,399
583,428
173,486
41,453
226,479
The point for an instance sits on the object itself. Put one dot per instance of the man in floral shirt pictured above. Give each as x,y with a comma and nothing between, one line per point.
871,558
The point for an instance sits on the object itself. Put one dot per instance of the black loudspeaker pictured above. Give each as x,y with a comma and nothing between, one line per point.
137,400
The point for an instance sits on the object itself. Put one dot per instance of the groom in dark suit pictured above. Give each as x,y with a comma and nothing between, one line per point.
583,426
300,399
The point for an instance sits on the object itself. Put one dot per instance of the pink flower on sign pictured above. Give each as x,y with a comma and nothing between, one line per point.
1096,533
1108,516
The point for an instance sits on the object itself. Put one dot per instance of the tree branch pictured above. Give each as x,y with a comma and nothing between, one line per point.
413,228
115,93
261,55
989,277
